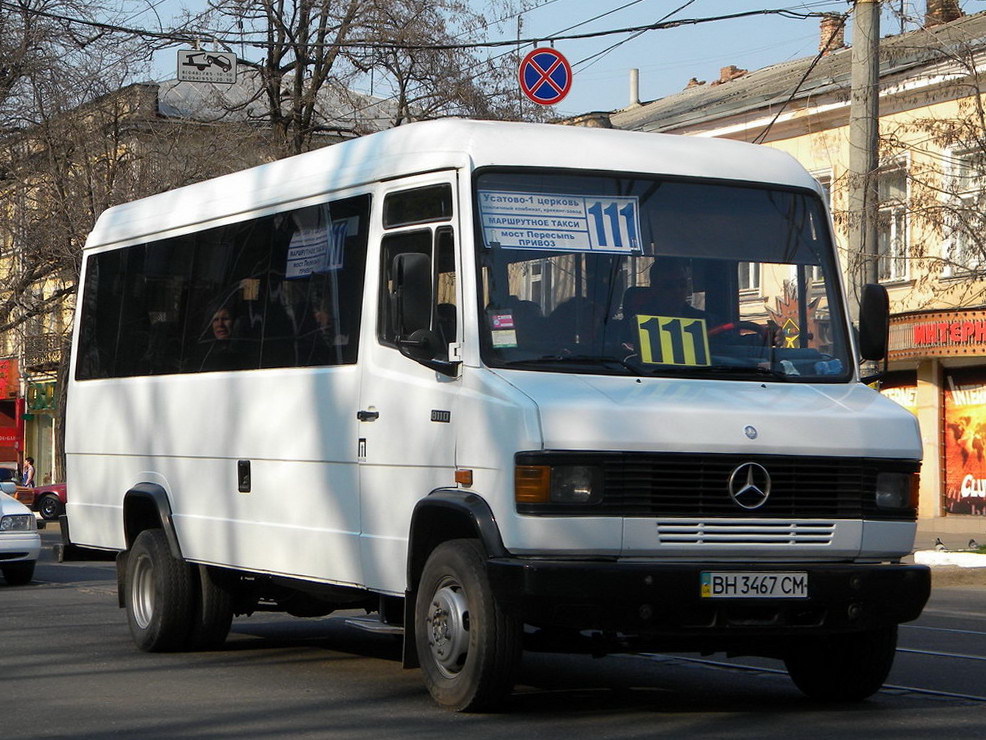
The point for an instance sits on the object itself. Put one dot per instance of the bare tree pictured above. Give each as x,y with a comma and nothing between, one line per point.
313,53
423,71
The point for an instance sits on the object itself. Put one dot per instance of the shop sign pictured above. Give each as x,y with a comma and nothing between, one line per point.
938,334
41,397
903,389
964,444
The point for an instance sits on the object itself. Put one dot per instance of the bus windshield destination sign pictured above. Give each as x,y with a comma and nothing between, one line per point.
573,223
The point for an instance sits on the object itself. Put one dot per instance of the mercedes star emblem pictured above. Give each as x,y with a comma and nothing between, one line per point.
749,485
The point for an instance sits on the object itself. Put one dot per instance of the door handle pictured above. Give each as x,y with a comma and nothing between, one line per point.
367,415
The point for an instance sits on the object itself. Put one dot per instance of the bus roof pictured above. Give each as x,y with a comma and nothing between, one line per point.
435,145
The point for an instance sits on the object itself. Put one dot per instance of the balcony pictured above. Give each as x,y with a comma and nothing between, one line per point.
42,352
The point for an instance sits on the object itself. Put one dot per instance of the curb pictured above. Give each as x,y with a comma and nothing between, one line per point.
944,576
953,568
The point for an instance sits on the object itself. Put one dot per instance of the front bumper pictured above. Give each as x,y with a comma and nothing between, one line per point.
663,601
19,547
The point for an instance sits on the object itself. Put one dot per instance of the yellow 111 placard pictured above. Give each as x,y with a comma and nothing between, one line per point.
673,340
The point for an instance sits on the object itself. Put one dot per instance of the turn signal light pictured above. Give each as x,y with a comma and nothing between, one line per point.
532,484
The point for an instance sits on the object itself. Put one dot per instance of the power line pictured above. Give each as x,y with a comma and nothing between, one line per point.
243,38
600,54
762,136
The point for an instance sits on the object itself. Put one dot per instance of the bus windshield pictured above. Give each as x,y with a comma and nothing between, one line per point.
637,275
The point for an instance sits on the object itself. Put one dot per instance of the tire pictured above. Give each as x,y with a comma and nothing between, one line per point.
213,612
158,594
469,649
50,507
843,667
19,574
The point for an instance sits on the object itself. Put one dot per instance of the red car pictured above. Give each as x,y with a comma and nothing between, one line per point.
48,500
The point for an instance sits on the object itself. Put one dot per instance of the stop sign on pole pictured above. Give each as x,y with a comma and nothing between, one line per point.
545,76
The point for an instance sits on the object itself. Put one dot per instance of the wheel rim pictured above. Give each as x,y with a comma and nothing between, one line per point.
142,591
48,508
447,627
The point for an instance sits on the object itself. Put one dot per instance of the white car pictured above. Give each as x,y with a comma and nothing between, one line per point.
20,543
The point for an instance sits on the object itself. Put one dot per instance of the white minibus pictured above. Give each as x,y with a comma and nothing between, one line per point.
507,387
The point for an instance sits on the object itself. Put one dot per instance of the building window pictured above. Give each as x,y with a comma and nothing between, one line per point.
892,223
967,191
749,277
825,180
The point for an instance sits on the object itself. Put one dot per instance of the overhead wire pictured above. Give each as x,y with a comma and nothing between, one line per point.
237,38
634,32
762,136
601,54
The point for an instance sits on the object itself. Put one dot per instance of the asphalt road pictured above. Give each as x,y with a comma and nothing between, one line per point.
68,669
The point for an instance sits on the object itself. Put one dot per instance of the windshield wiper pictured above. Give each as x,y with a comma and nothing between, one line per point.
754,370
574,360
751,371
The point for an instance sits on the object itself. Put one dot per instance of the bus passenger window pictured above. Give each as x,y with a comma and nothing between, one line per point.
249,295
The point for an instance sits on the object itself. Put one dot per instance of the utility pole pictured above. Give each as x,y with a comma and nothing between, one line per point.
864,116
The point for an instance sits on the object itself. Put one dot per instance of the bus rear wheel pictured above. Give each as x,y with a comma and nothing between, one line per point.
469,649
843,667
213,611
158,594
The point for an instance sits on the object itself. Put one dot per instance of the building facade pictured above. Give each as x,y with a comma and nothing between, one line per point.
931,228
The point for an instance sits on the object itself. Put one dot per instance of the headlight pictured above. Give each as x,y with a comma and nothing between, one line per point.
574,484
557,484
896,490
18,523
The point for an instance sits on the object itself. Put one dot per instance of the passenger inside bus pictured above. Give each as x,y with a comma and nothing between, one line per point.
324,343
220,347
667,294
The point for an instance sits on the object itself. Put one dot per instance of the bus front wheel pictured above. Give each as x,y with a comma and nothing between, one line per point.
469,649
843,667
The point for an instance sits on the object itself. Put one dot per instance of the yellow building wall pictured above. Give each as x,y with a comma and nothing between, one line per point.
911,136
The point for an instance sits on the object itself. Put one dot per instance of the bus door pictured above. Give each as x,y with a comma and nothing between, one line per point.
406,443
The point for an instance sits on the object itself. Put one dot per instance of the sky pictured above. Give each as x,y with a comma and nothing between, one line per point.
666,58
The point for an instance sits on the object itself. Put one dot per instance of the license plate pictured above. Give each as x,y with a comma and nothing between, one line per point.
753,585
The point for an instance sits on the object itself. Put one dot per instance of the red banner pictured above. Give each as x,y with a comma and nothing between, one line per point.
9,378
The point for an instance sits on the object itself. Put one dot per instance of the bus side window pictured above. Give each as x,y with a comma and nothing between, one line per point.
445,320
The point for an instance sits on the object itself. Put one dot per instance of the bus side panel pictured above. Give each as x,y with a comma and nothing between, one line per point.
294,428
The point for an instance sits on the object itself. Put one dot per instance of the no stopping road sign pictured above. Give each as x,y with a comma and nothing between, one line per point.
545,76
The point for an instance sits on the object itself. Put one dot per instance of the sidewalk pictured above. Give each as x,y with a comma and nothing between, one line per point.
954,532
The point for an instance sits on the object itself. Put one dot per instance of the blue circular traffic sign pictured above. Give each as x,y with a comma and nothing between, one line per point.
545,76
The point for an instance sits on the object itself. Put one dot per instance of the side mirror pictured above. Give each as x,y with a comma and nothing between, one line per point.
874,322
8,487
412,302
412,293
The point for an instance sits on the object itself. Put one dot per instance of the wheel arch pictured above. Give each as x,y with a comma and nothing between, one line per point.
147,506
448,514
444,514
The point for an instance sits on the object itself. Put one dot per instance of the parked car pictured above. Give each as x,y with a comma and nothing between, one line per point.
49,500
20,543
